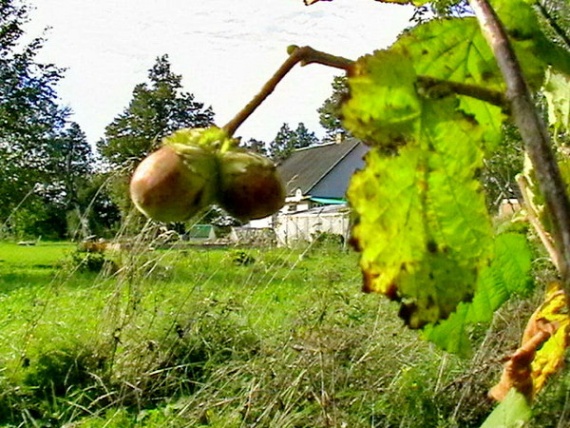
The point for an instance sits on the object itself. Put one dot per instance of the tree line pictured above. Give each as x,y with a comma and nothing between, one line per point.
56,185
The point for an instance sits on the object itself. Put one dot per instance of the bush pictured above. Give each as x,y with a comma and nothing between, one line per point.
82,260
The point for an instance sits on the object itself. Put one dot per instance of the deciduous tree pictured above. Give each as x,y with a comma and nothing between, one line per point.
33,129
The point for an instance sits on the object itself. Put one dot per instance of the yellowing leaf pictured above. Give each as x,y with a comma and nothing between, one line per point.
389,230
550,357
422,224
416,3
542,349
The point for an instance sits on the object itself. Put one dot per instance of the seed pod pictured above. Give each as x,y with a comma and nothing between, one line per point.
250,187
175,182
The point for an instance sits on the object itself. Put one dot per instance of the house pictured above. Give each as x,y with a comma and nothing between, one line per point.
319,175
316,179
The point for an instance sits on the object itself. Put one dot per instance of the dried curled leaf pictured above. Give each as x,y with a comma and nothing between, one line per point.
541,353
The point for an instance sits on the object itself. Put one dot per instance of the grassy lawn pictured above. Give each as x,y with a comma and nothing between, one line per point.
22,266
218,337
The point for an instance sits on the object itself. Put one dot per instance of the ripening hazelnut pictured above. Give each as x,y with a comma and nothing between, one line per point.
250,186
175,182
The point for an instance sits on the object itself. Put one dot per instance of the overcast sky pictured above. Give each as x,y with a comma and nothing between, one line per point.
224,49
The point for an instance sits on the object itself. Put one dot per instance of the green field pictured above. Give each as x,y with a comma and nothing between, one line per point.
219,337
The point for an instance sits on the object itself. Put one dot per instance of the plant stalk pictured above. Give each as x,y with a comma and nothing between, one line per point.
533,132
306,55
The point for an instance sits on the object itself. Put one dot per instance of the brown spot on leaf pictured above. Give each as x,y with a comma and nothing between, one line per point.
355,244
367,281
392,292
408,312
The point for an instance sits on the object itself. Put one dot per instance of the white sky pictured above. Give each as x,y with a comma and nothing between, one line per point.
224,49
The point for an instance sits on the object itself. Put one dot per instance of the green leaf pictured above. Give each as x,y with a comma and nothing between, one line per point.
452,50
383,106
457,214
533,48
508,274
212,137
451,334
513,412
456,50
489,117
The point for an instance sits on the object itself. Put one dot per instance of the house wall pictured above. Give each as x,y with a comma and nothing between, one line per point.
261,223
303,227
294,206
334,184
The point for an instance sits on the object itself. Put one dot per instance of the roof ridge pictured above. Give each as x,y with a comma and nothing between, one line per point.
331,143
314,146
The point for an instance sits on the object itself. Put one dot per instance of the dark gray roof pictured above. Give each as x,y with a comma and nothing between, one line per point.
306,167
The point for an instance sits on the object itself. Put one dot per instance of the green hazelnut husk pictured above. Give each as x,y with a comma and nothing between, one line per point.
250,186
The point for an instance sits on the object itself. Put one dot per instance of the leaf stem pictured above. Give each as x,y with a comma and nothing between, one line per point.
303,55
533,132
447,87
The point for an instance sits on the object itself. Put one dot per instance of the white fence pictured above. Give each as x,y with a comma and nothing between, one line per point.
307,225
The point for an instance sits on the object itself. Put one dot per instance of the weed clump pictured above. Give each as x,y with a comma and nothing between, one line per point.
241,258
49,382
91,261
177,358
57,372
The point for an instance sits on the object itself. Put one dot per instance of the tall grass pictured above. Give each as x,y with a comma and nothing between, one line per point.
185,336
